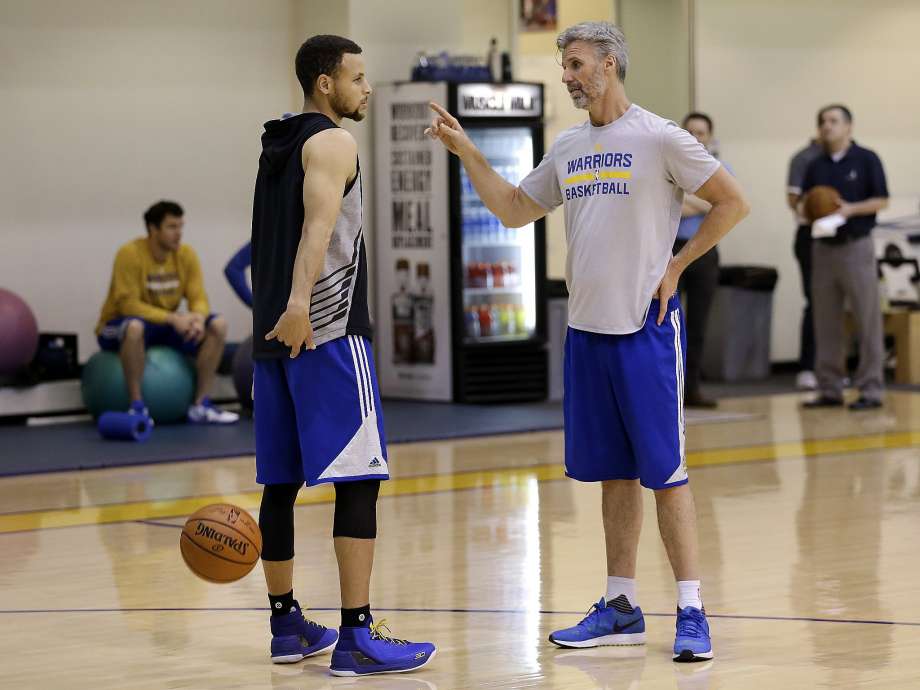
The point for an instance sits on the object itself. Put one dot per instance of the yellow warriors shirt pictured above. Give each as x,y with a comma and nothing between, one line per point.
149,290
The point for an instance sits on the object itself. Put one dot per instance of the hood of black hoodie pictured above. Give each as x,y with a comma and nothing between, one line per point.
283,139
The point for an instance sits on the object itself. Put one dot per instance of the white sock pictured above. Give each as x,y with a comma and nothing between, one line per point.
688,594
621,585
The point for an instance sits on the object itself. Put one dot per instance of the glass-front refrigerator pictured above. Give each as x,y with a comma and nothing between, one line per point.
499,263
460,303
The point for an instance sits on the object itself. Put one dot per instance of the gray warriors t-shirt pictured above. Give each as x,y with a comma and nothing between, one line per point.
622,185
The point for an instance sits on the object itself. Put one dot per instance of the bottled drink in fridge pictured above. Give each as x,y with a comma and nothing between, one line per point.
486,279
495,315
471,318
520,320
498,275
506,320
423,317
485,320
402,315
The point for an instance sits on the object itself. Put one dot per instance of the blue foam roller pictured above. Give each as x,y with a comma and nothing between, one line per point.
123,426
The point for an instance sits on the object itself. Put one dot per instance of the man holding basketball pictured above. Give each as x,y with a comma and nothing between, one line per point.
843,265
316,399
621,177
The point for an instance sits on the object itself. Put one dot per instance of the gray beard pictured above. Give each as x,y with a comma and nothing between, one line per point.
596,87
580,101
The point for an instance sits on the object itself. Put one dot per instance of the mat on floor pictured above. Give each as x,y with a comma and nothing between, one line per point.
72,446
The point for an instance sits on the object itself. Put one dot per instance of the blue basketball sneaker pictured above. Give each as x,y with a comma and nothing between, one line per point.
692,641
366,651
607,623
295,637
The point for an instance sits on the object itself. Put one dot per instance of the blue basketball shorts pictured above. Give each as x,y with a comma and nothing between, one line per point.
317,416
624,403
154,334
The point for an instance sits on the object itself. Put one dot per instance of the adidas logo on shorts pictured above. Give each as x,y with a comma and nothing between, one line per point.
374,463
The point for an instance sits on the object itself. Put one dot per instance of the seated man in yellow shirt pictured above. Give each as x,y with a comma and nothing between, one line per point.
150,278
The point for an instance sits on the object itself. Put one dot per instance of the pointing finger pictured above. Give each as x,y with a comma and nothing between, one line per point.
448,118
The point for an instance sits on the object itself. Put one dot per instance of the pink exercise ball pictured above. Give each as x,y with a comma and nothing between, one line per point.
18,333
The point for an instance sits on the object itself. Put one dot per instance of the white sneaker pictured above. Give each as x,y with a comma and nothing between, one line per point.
206,413
806,381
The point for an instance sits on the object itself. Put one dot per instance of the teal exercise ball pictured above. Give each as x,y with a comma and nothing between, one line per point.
168,385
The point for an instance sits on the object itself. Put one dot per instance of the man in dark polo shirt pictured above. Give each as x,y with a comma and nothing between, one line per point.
843,265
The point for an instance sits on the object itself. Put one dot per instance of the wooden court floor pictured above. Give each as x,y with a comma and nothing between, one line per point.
809,528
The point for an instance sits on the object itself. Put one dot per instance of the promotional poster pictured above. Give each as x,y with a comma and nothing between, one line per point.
413,244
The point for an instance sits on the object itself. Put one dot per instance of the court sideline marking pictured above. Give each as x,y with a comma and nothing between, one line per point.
542,612
426,484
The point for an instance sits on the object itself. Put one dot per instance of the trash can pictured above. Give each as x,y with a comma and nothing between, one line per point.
738,334
557,322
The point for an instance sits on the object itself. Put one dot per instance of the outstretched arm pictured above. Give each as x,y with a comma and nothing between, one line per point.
509,203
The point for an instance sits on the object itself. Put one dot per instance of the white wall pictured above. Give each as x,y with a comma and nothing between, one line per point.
764,67
659,55
110,106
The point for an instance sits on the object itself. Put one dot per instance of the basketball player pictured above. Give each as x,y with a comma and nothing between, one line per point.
316,398
621,177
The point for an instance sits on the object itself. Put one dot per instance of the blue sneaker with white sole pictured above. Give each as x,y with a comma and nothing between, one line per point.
692,641
369,650
607,623
295,637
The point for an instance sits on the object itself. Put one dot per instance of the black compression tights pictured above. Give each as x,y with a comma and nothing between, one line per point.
356,509
276,520
355,515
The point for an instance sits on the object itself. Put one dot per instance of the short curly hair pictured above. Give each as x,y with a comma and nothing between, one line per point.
321,54
154,215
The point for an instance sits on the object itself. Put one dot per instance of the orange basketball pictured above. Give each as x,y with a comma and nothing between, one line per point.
221,543
821,201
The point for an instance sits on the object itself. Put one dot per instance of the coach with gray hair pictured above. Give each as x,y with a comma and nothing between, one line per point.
621,177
